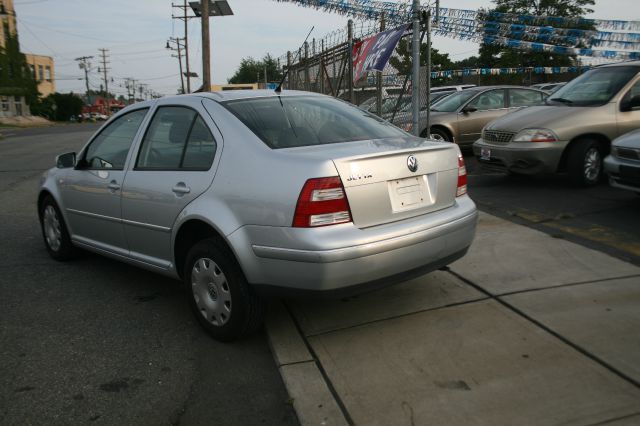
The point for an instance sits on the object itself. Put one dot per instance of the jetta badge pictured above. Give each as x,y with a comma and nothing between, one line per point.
412,163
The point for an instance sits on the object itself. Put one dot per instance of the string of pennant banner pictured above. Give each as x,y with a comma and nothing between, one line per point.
466,72
613,39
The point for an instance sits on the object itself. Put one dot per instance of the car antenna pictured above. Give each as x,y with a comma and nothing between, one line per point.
279,88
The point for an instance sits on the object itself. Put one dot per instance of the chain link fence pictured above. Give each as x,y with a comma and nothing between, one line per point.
324,66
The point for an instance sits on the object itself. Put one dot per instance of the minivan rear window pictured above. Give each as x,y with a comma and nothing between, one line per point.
295,121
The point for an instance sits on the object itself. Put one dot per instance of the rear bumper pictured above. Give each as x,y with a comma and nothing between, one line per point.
524,158
344,257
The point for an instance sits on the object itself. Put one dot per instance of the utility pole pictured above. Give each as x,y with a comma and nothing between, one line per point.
106,81
185,18
206,46
84,64
130,84
178,48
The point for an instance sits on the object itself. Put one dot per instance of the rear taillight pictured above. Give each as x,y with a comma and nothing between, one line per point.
322,202
462,177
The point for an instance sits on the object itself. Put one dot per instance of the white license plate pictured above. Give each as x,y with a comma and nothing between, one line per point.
485,154
410,193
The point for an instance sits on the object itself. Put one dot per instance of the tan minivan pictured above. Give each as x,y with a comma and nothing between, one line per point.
572,132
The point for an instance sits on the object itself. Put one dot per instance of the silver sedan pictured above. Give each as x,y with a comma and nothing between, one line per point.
244,192
623,164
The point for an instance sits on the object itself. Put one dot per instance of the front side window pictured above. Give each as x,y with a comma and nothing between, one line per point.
493,99
523,97
634,91
294,121
177,138
110,148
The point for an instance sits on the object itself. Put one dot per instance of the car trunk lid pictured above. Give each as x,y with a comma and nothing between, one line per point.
385,186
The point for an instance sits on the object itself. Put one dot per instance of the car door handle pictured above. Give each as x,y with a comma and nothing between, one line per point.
181,189
113,185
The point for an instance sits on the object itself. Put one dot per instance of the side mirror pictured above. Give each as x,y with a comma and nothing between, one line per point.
468,109
65,161
629,104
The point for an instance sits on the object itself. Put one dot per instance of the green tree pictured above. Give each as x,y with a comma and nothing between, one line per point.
252,71
402,62
59,106
470,62
498,57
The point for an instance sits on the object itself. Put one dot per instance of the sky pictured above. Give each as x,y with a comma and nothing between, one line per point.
136,33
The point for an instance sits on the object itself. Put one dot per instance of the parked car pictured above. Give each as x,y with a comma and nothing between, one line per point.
548,87
456,88
461,116
242,192
572,132
623,164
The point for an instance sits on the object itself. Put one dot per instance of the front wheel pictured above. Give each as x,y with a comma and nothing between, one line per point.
54,231
219,295
585,163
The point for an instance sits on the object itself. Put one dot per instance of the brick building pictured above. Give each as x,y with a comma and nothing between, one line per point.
12,100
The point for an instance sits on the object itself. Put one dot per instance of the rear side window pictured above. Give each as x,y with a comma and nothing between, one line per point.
523,97
493,99
294,121
177,138
110,148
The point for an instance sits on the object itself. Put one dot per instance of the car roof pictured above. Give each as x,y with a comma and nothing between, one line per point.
232,95
502,86
621,64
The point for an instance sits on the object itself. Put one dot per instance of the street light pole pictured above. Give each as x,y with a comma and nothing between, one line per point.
206,47
415,74
186,47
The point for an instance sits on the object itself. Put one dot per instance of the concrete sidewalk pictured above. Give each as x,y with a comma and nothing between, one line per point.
526,329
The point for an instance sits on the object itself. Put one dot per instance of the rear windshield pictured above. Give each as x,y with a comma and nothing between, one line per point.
293,121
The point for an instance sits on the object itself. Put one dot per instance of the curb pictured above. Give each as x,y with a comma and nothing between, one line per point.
311,397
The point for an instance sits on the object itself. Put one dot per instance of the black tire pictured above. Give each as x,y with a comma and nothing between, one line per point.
584,162
54,231
218,293
438,134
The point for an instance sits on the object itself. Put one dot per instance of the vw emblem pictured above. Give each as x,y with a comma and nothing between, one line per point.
412,163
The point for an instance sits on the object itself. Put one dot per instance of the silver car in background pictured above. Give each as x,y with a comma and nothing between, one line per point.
241,192
623,164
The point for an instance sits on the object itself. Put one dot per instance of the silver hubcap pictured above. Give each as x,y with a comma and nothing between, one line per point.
437,137
592,164
52,232
211,291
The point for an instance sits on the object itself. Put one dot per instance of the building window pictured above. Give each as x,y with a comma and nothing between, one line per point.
4,103
40,72
47,73
33,70
18,105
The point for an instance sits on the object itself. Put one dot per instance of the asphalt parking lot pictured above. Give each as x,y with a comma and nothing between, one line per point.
95,340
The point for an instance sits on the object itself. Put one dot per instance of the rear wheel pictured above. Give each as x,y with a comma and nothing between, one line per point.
585,162
219,295
54,231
